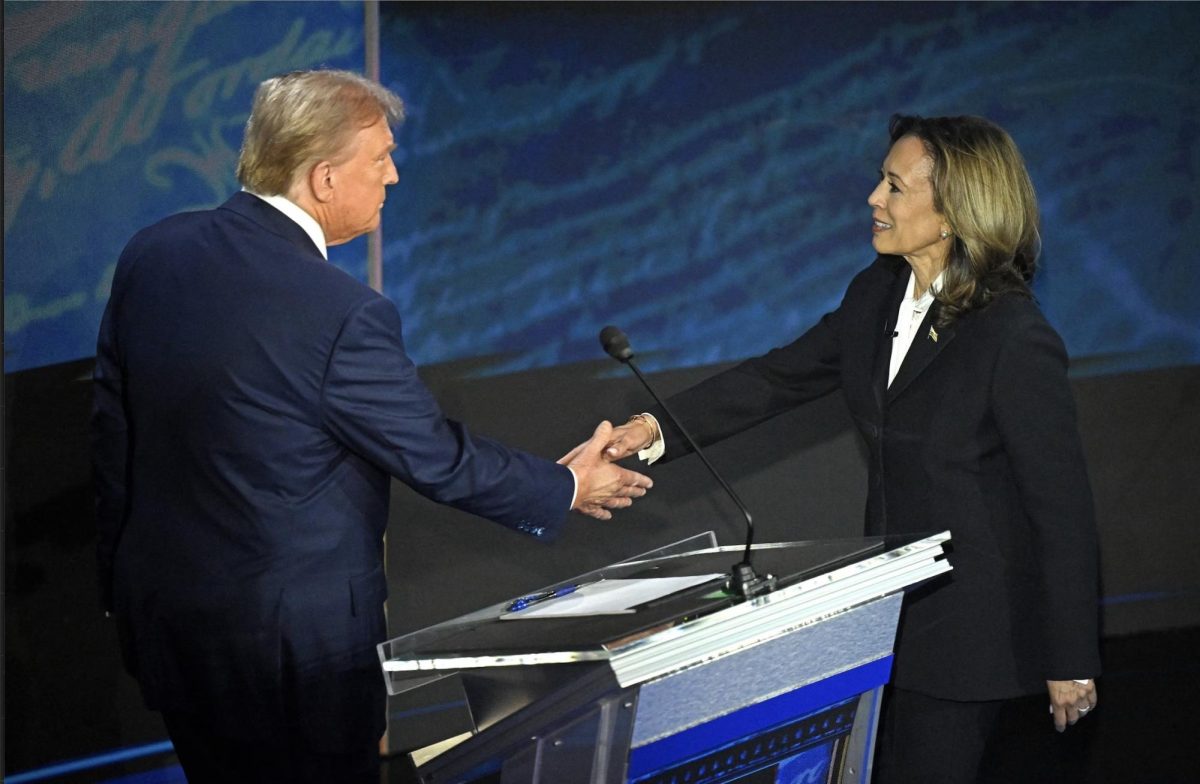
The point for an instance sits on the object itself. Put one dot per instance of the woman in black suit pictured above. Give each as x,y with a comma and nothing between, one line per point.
959,387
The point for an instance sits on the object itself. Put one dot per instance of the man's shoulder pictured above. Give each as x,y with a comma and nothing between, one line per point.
180,220
169,235
182,223
240,210
241,242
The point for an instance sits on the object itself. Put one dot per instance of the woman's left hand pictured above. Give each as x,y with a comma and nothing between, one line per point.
1070,701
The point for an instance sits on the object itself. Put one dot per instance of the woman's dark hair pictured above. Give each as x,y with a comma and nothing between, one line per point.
982,188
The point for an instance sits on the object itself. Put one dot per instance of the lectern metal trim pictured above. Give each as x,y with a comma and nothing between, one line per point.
773,615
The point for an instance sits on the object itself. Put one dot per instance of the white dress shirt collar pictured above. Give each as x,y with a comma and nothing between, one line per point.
297,214
909,316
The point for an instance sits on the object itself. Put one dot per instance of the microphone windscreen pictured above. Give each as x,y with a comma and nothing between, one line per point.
615,343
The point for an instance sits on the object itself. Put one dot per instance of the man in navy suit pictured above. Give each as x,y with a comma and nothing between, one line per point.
252,403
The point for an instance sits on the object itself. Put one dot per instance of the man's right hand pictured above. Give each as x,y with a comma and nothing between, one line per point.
601,485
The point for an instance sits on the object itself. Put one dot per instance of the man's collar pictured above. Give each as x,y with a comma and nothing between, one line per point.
302,218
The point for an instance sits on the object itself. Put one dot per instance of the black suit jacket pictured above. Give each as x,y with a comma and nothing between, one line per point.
251,402
977,434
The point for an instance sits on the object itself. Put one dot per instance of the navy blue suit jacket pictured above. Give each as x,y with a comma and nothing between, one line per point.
977,435
251,402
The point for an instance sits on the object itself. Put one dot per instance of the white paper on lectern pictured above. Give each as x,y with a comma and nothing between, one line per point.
611,597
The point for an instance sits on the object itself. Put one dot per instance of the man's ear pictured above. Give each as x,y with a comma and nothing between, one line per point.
320,181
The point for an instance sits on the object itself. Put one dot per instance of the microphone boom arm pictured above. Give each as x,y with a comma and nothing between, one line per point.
742,581
700,454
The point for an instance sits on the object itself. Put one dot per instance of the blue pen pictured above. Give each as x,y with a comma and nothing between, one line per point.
543,596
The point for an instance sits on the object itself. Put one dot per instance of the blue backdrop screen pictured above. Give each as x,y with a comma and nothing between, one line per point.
694,173
117,115
697,173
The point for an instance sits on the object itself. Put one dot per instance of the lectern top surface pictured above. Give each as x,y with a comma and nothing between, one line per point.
485,638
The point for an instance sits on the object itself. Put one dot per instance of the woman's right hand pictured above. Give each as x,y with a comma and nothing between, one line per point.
629,439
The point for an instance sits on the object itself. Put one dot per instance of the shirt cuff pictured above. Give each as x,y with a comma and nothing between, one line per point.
575,491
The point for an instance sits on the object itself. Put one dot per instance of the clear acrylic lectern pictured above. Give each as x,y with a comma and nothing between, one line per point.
695,686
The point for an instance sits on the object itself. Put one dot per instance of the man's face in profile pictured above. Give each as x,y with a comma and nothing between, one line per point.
360,183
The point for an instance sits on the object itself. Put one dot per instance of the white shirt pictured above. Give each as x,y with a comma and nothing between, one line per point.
302,218
908,320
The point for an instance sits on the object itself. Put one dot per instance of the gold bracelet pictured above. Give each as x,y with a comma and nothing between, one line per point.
648,422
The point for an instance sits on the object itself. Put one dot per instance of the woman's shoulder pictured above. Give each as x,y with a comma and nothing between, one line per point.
887,266
882,272
1012,316
1011,307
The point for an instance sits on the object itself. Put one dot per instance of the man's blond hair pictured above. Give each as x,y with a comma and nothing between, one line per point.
305,117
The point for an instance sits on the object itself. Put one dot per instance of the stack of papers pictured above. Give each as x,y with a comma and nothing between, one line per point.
610,597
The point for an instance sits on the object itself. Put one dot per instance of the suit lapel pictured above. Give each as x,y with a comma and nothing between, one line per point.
927,344
883,352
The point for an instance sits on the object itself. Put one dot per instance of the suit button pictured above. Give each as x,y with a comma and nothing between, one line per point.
530,528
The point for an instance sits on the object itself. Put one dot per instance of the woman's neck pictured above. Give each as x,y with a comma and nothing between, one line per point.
925,272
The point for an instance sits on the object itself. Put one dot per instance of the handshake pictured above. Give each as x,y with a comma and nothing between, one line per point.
601,485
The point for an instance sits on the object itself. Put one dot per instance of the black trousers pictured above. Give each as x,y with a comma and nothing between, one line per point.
208,755
926,740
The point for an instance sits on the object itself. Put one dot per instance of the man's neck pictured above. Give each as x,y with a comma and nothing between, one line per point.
302,217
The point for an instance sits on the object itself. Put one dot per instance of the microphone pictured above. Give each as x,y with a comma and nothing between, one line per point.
742,580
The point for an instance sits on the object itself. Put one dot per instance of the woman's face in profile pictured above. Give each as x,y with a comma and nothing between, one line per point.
905,222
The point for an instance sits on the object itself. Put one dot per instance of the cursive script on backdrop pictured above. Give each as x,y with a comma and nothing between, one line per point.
143,79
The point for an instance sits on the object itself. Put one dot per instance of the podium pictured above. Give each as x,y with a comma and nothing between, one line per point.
689,688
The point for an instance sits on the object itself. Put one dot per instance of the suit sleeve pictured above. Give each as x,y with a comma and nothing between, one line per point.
1035,412
109,447
374,402
756,390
